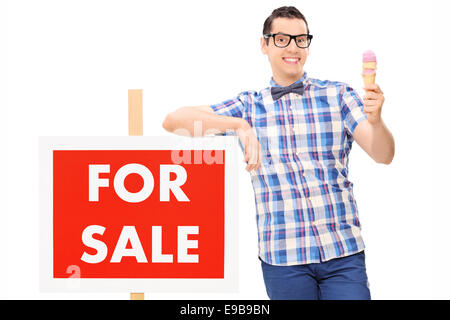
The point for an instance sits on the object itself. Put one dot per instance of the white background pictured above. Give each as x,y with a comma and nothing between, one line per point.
66,67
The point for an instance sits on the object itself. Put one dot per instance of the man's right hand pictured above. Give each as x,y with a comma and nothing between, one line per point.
252,147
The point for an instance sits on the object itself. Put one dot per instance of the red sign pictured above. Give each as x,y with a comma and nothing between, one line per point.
139,213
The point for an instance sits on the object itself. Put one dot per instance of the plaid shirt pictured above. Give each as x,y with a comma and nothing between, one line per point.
306,211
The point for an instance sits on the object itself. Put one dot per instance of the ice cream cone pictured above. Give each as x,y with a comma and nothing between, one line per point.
369,78
369,67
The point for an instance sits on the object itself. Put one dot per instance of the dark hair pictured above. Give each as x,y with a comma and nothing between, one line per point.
283,12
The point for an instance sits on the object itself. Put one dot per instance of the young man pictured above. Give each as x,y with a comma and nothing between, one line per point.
297,135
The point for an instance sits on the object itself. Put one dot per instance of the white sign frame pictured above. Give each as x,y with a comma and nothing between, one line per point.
49,284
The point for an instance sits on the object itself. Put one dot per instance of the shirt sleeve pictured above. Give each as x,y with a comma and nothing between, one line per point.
234,107
351,109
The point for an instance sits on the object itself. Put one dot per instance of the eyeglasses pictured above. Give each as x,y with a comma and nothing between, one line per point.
282,40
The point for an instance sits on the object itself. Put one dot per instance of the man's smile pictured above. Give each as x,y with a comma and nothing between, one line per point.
291,60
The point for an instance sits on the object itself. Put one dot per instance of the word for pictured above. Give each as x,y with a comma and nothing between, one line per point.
129,235
166,185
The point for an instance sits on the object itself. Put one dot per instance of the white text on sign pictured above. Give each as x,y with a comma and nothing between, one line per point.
166,185
129,234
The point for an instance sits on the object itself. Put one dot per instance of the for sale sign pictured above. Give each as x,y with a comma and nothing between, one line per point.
138,213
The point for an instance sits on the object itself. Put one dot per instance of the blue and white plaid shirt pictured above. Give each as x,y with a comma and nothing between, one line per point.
306,211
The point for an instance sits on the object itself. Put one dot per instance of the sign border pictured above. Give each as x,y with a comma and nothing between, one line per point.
49,284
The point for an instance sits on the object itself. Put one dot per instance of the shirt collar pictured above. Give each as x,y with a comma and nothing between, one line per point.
303,79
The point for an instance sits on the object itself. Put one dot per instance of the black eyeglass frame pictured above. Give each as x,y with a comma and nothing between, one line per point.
272,35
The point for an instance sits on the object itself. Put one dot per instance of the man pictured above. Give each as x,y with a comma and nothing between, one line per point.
297,135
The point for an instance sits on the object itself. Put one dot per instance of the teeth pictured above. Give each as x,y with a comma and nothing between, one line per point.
291,60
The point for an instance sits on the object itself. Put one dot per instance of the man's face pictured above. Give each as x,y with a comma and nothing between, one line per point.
287,63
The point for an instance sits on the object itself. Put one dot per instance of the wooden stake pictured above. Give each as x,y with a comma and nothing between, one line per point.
135,128
135,123
137,296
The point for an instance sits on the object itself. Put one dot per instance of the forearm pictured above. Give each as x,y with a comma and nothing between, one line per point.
190,121
383,146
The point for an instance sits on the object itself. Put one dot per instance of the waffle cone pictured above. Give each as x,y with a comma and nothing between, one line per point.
369,78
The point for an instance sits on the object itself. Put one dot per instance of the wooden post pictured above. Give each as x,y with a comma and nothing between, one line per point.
135,128
137,296
135,122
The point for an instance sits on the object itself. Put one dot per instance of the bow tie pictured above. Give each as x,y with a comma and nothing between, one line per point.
278,92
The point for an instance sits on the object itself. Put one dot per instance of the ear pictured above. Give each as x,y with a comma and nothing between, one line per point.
263,45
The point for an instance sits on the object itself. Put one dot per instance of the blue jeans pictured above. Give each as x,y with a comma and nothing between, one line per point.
337,279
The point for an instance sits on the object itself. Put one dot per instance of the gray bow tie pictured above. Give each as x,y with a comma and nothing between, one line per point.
278,92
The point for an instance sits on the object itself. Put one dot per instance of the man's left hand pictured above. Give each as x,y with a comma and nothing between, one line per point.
373,102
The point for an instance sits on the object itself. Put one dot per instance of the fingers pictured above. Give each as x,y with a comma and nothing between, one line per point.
246,148
371,103
370,95
373,87
371,106
373,100
370,109
254,155
252,149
